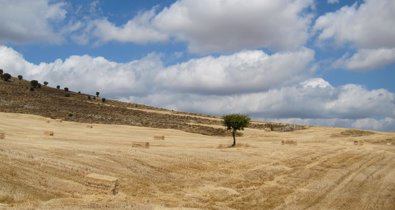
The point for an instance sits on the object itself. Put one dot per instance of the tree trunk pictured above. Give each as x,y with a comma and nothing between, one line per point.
234,138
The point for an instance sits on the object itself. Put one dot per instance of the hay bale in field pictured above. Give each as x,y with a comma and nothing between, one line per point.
159,137
358,142
140,144
292,142
104,183
49,133
2,135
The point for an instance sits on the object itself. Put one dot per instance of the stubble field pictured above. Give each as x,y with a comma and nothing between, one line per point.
322,170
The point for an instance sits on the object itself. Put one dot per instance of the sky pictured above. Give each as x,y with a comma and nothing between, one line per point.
316,62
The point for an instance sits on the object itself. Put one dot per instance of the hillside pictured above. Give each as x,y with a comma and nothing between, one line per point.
16,97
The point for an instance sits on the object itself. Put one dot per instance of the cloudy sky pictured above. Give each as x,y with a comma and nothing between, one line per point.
320,62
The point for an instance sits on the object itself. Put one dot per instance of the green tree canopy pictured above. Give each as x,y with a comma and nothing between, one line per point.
235,122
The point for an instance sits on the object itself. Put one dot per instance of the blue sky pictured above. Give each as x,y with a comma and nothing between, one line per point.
304,61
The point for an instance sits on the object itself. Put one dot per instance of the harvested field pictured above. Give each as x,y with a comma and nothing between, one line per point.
84,168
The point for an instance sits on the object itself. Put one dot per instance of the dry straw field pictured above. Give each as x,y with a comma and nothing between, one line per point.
53,164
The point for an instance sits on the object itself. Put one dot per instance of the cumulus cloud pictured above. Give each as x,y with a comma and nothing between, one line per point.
313,101
367,59
217,26
248,71
243,72
137,30
27,21
368,25
224,26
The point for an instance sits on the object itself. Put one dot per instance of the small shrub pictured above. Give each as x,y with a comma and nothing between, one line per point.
39,85
20,77
32,89
34,83
94,98
1,71
67,94
66,89
6,76
103,100
89,97
79,92
70,114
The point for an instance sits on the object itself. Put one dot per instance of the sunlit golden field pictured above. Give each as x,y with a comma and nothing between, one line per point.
316,168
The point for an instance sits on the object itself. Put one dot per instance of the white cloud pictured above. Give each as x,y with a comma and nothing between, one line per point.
30,21
369,25
137,30
217,26
314,101
248,71
333,1
367,59
228,26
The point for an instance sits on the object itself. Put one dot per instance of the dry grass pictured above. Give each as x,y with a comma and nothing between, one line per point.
2,135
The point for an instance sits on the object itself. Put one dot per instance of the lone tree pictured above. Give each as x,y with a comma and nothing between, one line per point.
20,77
45,83
97,94
235,122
